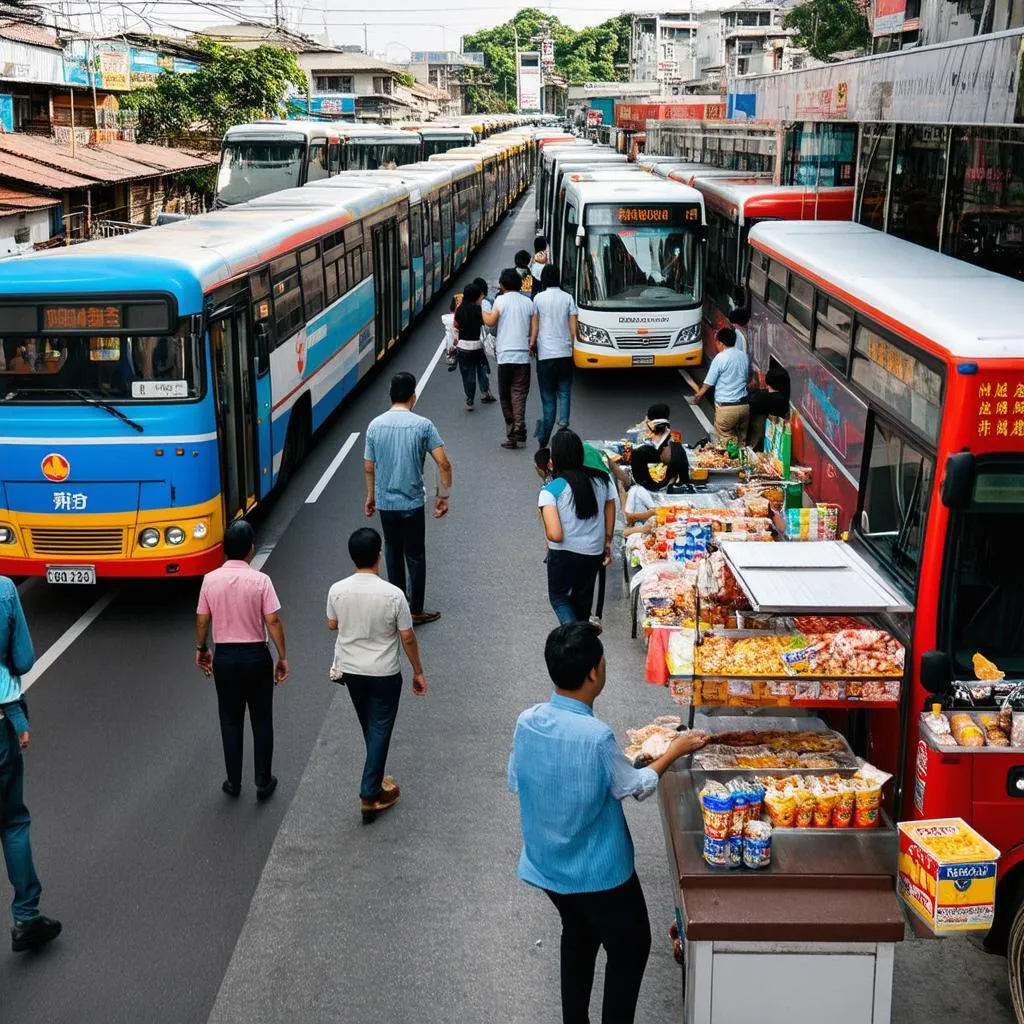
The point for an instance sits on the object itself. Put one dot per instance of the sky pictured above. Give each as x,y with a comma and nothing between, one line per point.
392,27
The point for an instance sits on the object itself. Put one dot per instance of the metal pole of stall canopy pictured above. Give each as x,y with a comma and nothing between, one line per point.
92,82
71,93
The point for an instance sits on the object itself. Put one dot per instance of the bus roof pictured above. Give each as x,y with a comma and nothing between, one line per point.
359,195
626,190
960,308
741,200
315,129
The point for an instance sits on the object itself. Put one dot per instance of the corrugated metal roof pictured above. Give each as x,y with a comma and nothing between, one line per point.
34,35
42,161
13,200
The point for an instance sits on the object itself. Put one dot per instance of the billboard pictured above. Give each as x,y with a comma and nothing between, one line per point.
118,66
529,82
889,16
547,52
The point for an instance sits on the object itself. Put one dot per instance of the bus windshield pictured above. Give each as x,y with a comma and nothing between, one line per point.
372,156
984,582
134,369
256,168
647,265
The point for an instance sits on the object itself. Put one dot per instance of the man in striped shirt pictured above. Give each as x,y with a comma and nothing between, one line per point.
571,777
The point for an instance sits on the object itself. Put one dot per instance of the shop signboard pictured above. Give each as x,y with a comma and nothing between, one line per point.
889,16
6,112
595,117
529,82
118,67
973,81
547,52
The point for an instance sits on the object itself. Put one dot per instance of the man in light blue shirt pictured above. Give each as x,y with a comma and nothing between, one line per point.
729,375
571,777
552,336
31,929
397,445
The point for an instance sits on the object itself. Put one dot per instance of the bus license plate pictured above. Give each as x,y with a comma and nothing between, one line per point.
71,574
643,360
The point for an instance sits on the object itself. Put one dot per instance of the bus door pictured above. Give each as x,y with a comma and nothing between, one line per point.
386,286
234,365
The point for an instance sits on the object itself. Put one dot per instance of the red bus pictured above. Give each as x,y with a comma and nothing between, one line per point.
907,372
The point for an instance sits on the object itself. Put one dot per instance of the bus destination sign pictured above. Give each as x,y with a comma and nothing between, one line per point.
81,318
665,215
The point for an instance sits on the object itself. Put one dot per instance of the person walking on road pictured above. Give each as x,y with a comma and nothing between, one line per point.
469,346
511,314
578,512
31,930
242,606
571,778
397,444
552,336
729,375
372,618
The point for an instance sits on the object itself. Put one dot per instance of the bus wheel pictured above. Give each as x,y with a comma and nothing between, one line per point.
1009,901
296,442
1015,963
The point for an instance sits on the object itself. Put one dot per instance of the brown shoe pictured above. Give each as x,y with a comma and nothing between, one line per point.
422,618
510,445
386,799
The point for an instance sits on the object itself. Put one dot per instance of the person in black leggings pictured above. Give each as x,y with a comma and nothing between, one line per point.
469,326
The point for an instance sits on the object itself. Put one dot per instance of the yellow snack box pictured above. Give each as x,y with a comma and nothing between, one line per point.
947,874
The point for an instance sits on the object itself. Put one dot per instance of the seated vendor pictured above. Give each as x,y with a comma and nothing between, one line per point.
664,469
772,400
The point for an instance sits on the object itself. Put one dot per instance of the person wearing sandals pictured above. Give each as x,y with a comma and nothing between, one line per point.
372,618
469,346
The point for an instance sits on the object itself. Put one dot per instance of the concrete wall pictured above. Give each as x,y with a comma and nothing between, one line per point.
38,223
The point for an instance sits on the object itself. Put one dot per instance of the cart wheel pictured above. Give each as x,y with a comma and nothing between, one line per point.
1015,964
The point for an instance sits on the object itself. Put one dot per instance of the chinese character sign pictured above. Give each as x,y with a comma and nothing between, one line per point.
70,501
998,408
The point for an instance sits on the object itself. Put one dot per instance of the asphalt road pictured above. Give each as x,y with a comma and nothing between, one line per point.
180,906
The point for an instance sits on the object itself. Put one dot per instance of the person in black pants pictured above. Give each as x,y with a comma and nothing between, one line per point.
469,346
242,606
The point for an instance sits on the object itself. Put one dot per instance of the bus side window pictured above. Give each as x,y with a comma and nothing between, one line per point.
758,274
334,157
316,167
570,251
312,280
798,309
415,241
259,292
287,295
355,268
777,281
832,334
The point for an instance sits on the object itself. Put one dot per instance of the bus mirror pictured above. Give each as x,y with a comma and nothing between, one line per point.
581,235
936,673
262,333
958,482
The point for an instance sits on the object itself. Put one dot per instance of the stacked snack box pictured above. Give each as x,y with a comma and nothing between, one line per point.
947,874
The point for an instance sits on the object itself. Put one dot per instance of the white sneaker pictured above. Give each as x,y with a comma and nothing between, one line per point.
595,620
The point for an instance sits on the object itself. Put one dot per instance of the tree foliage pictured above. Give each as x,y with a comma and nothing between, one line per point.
232,86
594,54
828,27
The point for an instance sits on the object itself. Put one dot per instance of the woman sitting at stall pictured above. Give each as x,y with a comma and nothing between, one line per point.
655,470
772,400
578,511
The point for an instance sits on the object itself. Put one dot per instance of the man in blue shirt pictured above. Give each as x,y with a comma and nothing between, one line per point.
729,375
31,929
571,777
397,444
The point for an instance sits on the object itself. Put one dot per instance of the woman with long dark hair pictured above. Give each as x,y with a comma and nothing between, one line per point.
578,511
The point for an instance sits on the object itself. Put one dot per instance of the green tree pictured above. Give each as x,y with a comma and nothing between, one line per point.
232,86
591,55
827,27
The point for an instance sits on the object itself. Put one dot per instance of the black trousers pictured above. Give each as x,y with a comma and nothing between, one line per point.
571,581
613,918
244,677
405,545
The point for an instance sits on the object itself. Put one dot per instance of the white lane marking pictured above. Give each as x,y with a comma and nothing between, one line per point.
435,359
696,409
261,556
321,484
66,639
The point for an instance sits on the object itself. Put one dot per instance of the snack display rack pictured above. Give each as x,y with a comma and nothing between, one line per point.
823,915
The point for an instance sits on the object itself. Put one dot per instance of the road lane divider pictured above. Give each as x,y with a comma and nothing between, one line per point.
434,360
328,474
696,409
66,639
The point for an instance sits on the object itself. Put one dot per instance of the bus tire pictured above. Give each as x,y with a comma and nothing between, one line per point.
1009,900
1015,962
296,441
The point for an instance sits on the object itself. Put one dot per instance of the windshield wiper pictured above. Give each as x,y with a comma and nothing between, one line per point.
106,407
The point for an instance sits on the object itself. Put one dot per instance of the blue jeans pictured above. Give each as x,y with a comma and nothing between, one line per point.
571,581
14,824
473,367
554,378
375,699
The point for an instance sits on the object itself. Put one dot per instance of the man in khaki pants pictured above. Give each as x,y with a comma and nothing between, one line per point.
729,375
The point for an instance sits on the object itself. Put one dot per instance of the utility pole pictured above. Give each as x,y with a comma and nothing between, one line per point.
366,44
277,13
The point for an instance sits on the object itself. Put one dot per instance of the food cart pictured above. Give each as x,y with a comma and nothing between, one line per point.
823,918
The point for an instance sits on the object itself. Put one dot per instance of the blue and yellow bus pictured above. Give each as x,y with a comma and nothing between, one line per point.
155,386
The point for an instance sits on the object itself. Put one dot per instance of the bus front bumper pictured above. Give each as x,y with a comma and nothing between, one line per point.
593,357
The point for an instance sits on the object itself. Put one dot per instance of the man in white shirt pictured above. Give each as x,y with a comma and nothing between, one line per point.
729,375
512,315
552,336
372,619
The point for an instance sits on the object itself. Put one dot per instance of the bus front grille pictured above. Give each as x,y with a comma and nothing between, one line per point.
632,341
77,541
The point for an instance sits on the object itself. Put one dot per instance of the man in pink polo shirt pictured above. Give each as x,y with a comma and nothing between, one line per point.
243,607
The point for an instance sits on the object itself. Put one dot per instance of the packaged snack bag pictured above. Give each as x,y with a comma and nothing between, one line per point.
843,814
781,808
804,808
757,844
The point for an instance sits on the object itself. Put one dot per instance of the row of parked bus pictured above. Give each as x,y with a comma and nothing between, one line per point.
156,385
268,156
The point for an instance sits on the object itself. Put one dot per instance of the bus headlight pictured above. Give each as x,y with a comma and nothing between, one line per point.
199,531
6,535
688,335
594,335
175,535
149,538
